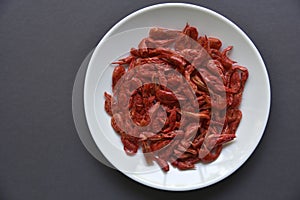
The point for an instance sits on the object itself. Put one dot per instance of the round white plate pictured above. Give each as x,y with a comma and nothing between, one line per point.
126,34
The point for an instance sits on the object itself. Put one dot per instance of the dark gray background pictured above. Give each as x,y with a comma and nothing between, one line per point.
42,44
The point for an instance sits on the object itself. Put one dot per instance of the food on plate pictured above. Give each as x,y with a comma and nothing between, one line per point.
177,97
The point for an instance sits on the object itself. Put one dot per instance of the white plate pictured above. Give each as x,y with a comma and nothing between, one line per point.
126,34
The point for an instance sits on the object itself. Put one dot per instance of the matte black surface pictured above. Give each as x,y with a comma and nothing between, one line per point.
42,44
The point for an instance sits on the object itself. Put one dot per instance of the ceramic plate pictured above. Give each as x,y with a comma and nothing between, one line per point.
126,34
